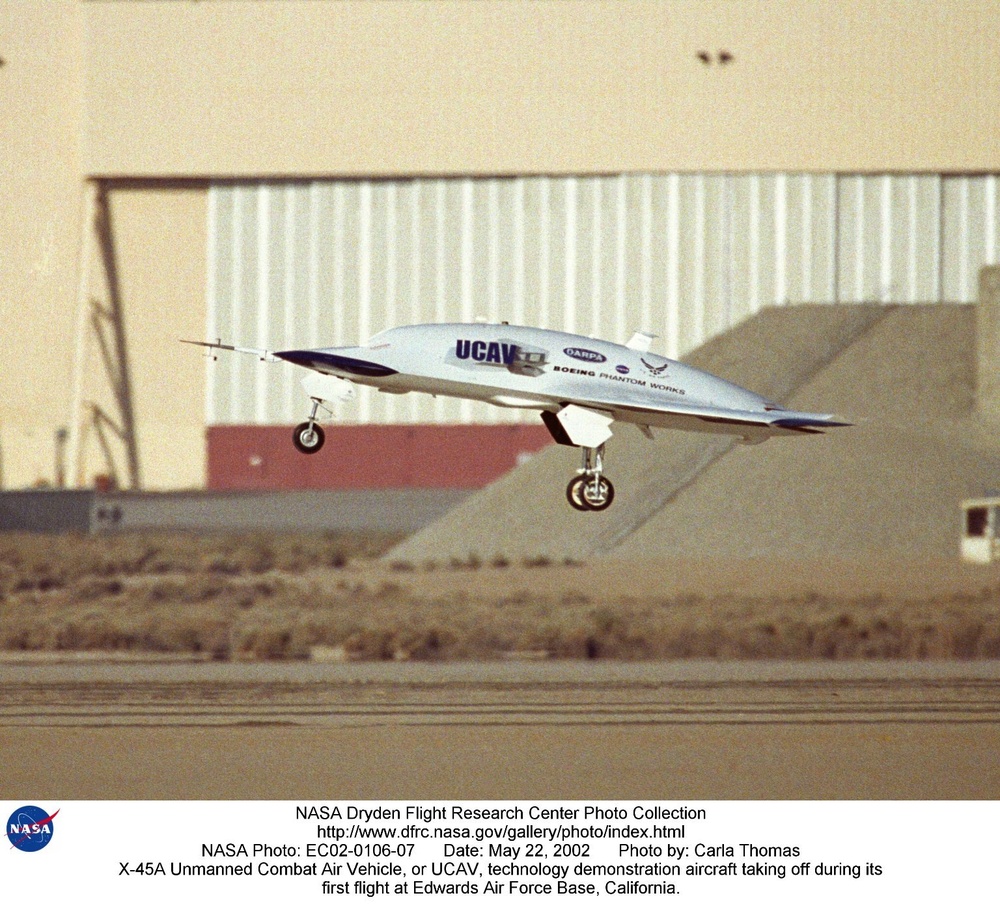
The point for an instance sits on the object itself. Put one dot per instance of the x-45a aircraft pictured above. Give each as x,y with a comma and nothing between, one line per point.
580,385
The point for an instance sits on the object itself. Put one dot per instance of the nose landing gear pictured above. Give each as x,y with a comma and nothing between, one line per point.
590,490
324,392
308,437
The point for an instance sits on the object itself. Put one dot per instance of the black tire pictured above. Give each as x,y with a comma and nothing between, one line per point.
574,493
308,438
602,499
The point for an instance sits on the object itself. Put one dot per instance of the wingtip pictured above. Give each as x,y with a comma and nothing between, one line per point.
812,423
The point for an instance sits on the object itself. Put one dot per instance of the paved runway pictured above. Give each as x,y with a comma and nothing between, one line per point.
99,729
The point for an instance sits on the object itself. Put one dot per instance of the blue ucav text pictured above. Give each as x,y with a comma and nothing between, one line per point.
485,351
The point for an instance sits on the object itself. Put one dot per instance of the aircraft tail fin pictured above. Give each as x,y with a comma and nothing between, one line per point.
640,341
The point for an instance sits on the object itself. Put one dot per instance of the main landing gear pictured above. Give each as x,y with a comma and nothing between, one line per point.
590,490
308,437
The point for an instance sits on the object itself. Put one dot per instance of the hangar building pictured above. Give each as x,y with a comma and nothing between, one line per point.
290,173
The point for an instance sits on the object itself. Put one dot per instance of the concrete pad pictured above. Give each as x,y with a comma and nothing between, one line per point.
395,510
707,730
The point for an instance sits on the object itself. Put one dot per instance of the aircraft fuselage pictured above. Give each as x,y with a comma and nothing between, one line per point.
523,367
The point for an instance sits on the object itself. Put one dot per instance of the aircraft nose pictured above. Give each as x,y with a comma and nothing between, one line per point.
298,357
325,361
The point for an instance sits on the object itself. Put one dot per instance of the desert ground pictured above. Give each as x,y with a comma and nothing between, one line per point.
331,598
110,729
168,666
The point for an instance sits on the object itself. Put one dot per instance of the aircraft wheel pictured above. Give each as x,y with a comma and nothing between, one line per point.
574,493
598,496
308,438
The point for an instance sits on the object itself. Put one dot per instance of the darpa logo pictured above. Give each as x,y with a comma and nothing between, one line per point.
486,352
581,353
30,828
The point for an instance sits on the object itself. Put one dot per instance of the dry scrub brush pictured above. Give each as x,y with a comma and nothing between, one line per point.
269,617
294,596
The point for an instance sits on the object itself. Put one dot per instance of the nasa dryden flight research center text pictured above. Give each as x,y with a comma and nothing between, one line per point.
508,850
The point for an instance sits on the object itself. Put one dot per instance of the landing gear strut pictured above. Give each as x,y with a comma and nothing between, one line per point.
308,437
590,490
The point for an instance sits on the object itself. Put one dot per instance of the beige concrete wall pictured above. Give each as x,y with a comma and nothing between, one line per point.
160,246
371,87
41,102
161,254
988,345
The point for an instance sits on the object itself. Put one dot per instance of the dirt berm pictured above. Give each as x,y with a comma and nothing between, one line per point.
892,483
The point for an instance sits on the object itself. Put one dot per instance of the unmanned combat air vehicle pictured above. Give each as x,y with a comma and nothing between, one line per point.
580,385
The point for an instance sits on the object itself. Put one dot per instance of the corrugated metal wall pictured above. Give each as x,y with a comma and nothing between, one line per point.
683,256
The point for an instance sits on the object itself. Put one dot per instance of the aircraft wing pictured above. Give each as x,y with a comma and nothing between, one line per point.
776,417
793,420
773,417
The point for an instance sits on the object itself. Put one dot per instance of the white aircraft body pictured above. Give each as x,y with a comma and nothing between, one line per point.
580,385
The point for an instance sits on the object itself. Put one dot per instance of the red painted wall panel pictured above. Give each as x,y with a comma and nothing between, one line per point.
368,456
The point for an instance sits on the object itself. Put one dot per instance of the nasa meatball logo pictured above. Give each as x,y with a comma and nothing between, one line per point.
30,828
